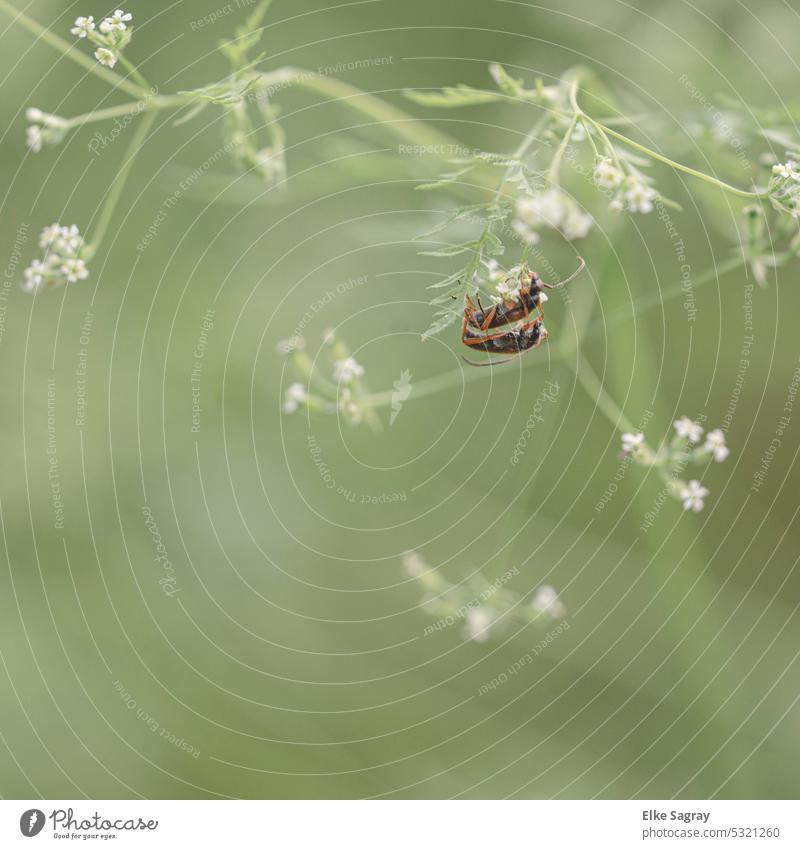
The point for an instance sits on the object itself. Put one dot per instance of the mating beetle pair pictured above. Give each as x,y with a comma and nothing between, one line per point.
526,302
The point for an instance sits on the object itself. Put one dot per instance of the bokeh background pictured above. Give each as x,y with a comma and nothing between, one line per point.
291,659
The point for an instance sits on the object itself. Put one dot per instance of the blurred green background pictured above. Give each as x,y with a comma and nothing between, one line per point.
291,659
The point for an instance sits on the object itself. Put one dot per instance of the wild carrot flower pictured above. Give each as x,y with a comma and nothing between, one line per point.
715,444
546,601
105,57
693,495
347,370
83,26
607,175
478,625
64,259
639,197
631,442
295,395
115,21
687,429
44,129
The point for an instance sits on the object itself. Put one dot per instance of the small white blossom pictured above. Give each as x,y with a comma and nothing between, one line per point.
546,208
577,224
639,198
347,370
788,170
546,600
413,564
631,442
290,345
692,496
526,233
295,396
74,269
607,175
715,443
33,138
68,241
478,624
115,21
349,407
34,276
105,57
687,429
49,235
34,115
83,26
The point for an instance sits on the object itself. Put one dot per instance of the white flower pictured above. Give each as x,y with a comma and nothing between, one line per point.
83,26
33,138
546,600
788,170
639,198
346,370
494,272
290,345
688,429
546,208
49,235
525,231
478,624
607,175
577,224
349,407
413,564
692,496
74,269
34,276
34,115
295,396
715,443
631,442
68,241
116,21
105,57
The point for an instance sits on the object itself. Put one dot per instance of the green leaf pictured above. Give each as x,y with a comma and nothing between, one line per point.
505,82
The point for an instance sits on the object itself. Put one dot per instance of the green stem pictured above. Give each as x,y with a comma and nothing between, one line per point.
555,166
134,72
153,104
114,193
69,50
605,403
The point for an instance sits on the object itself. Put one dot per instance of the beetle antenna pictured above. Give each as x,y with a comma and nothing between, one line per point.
581,266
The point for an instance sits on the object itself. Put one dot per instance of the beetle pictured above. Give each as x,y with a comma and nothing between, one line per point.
512,341
530,334
527,299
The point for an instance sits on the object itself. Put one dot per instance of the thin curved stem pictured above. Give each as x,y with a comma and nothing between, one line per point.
114,193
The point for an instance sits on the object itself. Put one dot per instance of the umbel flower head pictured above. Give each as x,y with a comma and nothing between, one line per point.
44,129
672,459
63,260
110,37
553,209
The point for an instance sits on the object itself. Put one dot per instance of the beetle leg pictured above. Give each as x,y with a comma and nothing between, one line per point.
487,322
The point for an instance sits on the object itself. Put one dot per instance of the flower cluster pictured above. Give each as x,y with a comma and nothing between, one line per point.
552,209
44,129
110,36
686,447
784,187
627,191
342,393
63,260
480,607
